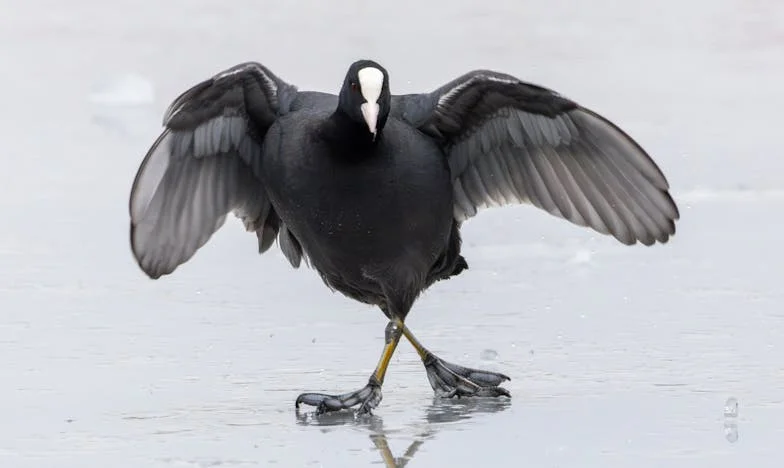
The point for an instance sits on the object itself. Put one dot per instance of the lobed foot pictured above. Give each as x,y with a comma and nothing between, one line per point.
367,398
450,380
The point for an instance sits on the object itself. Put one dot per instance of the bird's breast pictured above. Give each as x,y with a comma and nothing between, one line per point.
394,200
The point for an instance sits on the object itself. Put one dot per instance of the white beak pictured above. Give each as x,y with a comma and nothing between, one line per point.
370,113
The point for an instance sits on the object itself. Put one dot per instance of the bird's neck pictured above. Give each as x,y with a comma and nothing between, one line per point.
347,134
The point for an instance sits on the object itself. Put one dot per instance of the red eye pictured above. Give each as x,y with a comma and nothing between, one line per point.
354,86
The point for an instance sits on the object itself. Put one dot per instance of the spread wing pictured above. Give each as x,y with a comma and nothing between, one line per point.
204,165
514,142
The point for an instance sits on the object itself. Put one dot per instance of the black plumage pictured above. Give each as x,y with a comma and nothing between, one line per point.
371,189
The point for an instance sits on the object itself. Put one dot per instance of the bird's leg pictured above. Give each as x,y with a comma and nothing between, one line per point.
451,380
368,397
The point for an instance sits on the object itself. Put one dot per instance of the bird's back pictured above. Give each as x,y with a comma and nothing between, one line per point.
313,101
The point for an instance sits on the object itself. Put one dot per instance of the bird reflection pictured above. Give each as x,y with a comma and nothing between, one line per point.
380,440
436,417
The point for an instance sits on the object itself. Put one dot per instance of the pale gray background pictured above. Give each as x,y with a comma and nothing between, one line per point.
619,356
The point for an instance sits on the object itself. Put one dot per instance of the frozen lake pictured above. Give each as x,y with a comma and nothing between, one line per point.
618,356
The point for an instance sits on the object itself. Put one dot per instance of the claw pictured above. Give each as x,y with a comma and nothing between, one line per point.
451,380
368,398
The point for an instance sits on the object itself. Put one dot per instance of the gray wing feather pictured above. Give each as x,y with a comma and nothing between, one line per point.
205,165
513,142
290,246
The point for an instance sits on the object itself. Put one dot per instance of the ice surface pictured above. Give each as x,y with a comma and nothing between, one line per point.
618,356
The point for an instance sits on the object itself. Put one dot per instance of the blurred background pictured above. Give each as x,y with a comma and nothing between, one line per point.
665,355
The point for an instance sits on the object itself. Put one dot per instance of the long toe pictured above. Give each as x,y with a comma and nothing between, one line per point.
368,398
452,380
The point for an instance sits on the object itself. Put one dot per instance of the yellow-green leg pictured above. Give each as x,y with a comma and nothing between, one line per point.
451,380
367,397
448,380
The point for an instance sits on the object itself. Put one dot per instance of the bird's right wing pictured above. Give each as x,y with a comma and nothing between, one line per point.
205,165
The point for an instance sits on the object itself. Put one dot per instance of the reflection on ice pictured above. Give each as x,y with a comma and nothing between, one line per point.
731,431
437,416
488,355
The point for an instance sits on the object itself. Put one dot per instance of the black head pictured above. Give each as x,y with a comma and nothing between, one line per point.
365,96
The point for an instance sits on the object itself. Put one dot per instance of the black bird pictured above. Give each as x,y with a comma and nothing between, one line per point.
371,188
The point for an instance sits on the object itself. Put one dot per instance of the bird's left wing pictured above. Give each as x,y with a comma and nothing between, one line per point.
508,141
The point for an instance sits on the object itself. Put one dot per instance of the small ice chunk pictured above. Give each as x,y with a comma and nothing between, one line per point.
488,355
731,408
582,256
123,105
123,90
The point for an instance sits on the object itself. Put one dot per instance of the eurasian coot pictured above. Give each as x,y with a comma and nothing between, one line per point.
371,188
